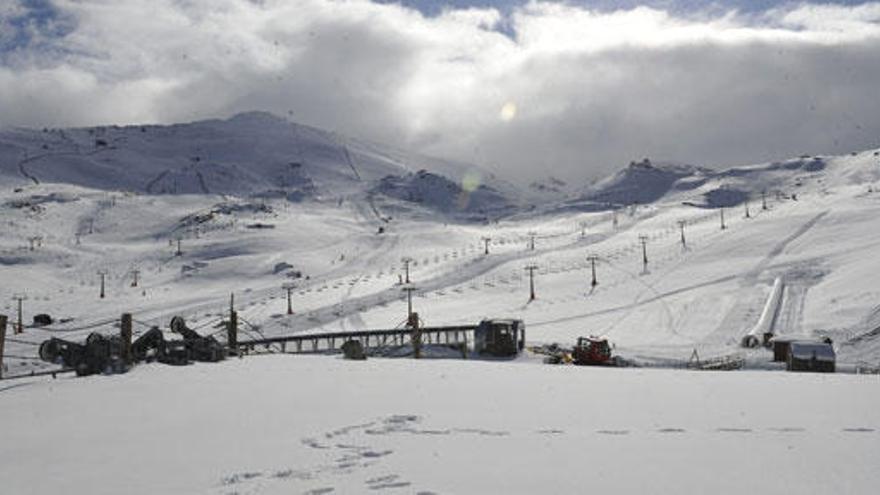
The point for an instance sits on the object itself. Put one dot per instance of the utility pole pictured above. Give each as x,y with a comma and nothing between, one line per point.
486,241
583,226
19,298
409,312
232,328
764,199
722,220
748,215
531,269
681,224
289,287
178,252
2,341
532,241
592,259
406,261
644,240
103,274
135,273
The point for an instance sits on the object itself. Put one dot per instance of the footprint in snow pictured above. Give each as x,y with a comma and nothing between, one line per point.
613,432
320,491
551,432
671,430
385,482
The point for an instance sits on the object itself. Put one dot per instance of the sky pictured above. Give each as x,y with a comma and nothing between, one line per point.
529,89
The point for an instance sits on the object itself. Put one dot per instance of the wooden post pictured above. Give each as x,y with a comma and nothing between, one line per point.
3,320
125,333
20,327
416,334
232,332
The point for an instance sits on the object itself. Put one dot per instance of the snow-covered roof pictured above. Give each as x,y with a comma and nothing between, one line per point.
808,350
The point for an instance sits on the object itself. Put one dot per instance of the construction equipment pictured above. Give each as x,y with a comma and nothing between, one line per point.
593,351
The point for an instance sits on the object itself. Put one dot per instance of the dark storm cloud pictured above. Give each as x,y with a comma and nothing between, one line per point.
549,88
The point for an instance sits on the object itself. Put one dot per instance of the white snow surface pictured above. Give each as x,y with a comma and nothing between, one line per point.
297,424
273,424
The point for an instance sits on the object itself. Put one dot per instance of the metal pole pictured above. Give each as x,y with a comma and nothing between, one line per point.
134,282
3,320
644,240
593,258
289,303
748,215
102,273
406,262
409,311
531,269
722,220
763,200
232,332
486,241
681,224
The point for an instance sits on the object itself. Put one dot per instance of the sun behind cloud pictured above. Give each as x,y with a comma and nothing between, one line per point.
508,111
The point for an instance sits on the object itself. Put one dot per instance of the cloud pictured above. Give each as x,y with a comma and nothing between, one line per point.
591,89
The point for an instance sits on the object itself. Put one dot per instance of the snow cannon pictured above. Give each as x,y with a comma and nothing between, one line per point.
151,340
199,348
99,354
59,351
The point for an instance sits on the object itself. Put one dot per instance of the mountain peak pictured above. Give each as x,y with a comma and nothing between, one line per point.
256,116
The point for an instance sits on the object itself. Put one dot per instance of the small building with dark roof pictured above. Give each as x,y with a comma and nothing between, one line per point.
811,356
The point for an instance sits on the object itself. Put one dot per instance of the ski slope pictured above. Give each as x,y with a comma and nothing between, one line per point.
310,423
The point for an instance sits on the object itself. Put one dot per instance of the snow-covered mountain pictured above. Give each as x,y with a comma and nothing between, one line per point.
250,154
249,206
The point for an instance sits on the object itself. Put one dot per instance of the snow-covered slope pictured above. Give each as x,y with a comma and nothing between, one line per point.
276,214
250,154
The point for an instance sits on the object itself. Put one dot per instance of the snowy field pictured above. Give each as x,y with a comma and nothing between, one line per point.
296,424
338,228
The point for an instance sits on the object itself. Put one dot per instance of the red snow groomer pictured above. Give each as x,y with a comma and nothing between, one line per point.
592,351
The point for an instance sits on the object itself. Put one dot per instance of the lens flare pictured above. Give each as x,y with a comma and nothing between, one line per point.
508,111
